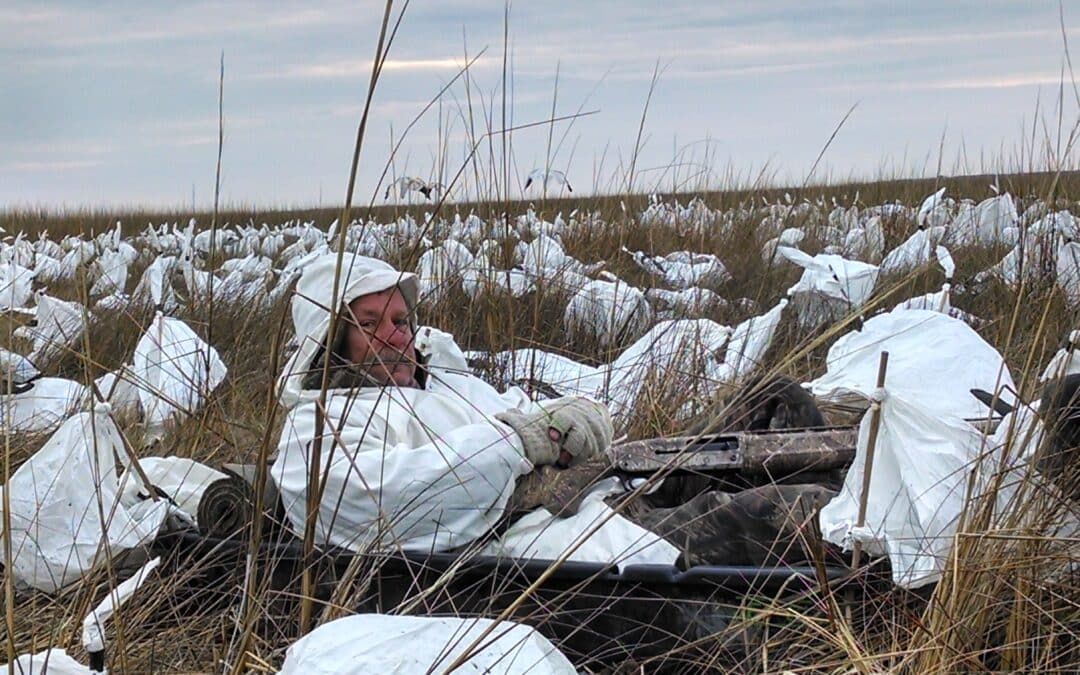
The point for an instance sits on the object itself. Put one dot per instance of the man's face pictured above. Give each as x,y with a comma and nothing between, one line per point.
379,337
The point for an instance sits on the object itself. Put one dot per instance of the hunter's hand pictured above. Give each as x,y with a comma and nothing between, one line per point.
560,491
564,432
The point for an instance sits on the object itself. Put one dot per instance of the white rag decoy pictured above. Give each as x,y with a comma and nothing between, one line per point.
672,351
15,285
916,250
608,312
52,661
65,505
111,268
277,292
469,231
686,303
58,323
986,224
47,247
1039,253
272,245
118,390
16,372
941,301
483,276
843,219
930,209
41,405
296,249
545,258
155,288
1066,361
93,625
112,303
219,238
440,268
21,252
830,285
542,374
175,370
747,346
867,242
683,269
791,236
48,270
530,225
250,267
198,282
1068,272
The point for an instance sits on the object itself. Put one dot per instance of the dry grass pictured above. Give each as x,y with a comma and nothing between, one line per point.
1009,600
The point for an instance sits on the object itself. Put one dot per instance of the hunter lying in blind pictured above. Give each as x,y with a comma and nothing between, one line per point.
412,451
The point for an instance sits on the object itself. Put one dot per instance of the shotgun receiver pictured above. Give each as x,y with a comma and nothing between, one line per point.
771,452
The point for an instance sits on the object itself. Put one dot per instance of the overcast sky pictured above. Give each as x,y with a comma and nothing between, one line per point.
115,103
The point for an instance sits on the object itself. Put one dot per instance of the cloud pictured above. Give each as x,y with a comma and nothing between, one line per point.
68,145
991,82
77,26
735,69
25,17
61,165
186,141
1006,81
702,49
201,124
681,70
350,68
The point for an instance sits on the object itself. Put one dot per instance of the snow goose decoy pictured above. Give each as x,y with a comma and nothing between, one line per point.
545,176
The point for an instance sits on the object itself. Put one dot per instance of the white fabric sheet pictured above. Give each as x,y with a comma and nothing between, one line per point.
934,359
65,504
403,645
918,488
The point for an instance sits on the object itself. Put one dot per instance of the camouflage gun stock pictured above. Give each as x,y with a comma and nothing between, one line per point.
771,452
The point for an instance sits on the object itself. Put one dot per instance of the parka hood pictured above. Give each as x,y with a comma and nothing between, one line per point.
311,305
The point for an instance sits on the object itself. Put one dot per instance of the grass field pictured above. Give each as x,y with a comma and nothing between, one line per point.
1009,596
1005,602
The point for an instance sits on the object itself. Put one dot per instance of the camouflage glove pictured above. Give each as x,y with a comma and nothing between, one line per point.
560,491
564,432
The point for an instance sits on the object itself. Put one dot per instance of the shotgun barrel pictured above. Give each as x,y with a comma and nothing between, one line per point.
771,452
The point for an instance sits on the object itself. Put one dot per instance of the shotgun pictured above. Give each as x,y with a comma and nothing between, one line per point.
768,453
771,452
